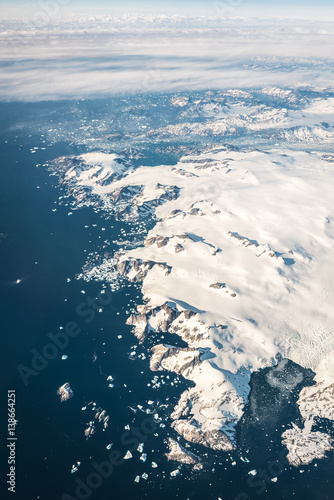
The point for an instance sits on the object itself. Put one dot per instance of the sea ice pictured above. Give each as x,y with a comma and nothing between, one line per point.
65,392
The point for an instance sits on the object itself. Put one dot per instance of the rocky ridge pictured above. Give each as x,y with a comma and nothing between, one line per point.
199,284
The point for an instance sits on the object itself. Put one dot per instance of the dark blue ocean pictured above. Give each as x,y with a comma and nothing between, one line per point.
44,247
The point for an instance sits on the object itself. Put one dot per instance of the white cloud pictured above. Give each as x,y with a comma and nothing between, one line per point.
90,57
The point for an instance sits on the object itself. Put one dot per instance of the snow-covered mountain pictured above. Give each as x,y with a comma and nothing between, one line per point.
239,263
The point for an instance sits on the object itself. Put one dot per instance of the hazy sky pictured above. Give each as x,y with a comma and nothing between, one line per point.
303,9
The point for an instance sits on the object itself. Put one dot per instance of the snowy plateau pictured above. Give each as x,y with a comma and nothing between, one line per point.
239,260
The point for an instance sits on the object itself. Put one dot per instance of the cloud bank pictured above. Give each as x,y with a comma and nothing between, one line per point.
105,56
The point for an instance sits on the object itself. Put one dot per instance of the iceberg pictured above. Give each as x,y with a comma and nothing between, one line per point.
65,392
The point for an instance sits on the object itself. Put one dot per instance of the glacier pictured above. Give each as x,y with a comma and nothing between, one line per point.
239,262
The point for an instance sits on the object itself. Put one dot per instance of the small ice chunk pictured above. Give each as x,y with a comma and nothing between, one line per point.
64,356
109,446
127,455
110,378
111,385
140,447
127,427
84,408
65,392
154,465
137,479
143,457
144,475
274,479
252,472
175,472
75,467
